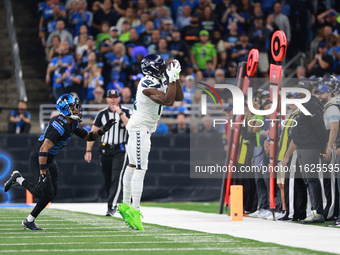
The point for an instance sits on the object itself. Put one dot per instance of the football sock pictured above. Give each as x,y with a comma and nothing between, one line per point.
127,188
30,218
19,180
137,187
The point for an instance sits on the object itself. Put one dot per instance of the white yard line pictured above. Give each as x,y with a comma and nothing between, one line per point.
284,233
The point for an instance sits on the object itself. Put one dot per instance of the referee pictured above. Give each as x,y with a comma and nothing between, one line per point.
112,149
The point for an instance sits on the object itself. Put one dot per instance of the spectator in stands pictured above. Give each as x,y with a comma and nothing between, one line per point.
98,93
329,18
163,50
104,14
217,41
203,51
258,38
142,8
207,126
82,46
166,28
20,119
322,63
120,6
115,83
232,69
208,20
184,20
135,68
130,17
190,33
230,16
126,96
104,34
144,18
188,88
181,127
146,36
134,39
241,50
209,71
92,80
61,32
323,34
201,4
161,128
220,9
108,44
125,32
54,49
48,12
118,60
156,36
82,30
282,20
159,4
69,76
178,47
50,23
231,39
333,43
81,17
301,72
161,14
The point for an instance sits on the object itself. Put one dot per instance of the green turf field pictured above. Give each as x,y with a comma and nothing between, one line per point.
79,233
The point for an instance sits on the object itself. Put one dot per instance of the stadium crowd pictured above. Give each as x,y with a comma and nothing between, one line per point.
91,44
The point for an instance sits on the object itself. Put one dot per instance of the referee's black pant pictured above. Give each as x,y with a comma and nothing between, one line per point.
43,199
113,164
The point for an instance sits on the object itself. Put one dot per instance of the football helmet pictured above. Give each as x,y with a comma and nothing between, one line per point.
153,65
69,106
306,84
333,83
315,81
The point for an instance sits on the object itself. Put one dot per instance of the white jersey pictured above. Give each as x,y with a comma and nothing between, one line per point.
146,112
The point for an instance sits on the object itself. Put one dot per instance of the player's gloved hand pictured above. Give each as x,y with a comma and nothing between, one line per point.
108,125
177,67
172,72
44,185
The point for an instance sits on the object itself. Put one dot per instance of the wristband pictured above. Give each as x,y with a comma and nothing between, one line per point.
43,154
121,113
43,167
88,151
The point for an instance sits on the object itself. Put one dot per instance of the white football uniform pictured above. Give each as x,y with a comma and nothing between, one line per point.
143,122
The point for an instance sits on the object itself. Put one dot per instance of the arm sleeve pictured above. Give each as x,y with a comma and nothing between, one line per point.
80,132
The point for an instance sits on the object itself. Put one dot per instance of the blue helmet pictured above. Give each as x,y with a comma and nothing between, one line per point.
66,104
153,65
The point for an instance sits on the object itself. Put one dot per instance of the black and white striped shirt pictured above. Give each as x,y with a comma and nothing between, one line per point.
117,133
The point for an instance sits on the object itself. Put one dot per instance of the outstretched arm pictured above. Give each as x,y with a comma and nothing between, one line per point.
93,135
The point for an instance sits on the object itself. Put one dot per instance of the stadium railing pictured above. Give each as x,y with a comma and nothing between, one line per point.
92,110
15,51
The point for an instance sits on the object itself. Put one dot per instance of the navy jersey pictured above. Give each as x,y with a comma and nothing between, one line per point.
59,132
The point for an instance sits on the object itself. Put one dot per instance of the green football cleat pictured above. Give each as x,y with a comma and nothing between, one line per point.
135,216
122,209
